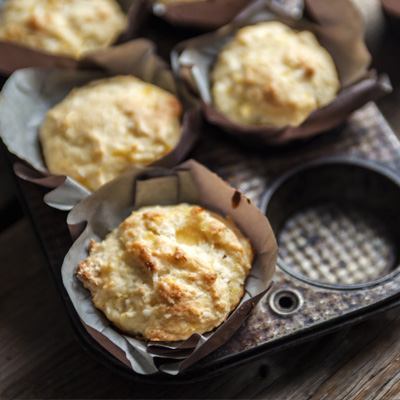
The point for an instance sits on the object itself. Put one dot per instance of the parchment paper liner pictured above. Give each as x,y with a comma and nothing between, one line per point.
28,94
14,56
339,28
206,15
108,206
391,7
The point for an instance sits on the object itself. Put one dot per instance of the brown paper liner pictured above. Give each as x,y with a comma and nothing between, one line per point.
339,28
391,7
391,10
29,93
203,15
15,56
106,208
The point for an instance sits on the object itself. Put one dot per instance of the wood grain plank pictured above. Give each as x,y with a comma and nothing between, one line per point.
345,365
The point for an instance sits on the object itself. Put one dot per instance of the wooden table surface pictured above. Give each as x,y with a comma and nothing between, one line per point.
40,357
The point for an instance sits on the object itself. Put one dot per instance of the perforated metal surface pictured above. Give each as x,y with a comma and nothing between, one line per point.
337,244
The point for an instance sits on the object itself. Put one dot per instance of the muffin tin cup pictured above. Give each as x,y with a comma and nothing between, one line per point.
106,208
339,28
17,56
30,93
337,222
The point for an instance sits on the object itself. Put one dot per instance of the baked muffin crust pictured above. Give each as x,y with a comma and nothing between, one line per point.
62,27
168,271
102,128
271,75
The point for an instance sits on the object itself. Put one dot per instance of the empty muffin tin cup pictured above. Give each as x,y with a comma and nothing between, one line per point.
337,221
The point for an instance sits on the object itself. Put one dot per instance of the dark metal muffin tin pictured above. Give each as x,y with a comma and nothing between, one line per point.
356,163
354,167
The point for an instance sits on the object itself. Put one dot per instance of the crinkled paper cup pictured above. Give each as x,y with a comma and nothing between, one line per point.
29,93
203,15
17,56
391,9
107,207
339,28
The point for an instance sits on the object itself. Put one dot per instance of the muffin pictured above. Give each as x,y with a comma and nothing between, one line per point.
62,27
168,271
272,75
108,125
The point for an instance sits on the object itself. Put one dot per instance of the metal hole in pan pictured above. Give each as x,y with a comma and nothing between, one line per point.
337,221
285,301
